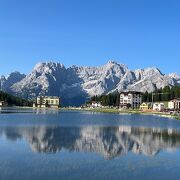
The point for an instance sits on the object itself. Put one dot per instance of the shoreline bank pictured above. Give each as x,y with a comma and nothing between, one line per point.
118,111
104,110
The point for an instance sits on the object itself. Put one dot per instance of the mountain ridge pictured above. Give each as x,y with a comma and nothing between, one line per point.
76,83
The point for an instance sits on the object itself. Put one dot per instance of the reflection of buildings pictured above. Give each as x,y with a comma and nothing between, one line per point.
46,111
107,141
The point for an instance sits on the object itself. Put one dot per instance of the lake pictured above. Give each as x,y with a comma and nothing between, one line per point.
53,145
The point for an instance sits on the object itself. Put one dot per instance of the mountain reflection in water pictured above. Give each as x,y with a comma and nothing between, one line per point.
108,141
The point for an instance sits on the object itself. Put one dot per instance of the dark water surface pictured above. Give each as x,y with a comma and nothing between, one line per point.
54,144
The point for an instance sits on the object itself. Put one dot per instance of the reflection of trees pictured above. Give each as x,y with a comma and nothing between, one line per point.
108,141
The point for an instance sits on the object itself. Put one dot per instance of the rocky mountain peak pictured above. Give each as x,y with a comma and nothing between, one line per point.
113,63
7,81
46,66
175,76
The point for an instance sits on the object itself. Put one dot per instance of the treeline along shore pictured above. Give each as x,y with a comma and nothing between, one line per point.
163,94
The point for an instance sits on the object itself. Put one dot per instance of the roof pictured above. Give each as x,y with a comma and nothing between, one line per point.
177,99
52,97
96,102
156,103
130,92
146,103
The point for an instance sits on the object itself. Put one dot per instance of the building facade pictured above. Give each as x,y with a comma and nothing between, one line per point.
96,104
174,104
158,106
145,106
47,102
130,99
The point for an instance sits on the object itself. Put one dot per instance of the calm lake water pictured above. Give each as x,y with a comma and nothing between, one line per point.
41,145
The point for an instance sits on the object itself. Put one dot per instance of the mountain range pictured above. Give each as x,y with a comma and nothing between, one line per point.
76,83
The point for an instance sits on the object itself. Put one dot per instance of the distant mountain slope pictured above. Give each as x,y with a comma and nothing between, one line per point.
11,79
75,84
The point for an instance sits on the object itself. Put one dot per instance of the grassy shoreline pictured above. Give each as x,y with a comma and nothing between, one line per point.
117,111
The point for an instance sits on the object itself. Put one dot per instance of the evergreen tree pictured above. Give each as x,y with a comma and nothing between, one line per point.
13,100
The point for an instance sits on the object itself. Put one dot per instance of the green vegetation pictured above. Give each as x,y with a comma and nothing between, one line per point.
107,100
163,94
113,98
13,100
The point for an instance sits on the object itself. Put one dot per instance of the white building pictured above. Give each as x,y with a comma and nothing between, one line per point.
130,99
174,104
96,104
158,106
2,103
47,101
171,105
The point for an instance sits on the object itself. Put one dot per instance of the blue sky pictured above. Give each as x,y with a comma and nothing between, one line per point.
138,33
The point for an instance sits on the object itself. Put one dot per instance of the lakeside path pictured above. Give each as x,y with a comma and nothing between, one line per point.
113,110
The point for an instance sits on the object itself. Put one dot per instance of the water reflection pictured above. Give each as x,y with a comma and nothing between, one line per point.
107,141
10,110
